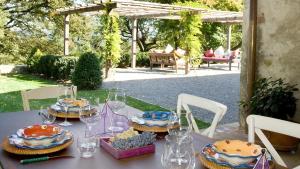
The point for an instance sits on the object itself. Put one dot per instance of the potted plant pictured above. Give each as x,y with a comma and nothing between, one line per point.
274,98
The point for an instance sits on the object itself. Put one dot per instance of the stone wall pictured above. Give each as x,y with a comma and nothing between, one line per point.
6,69
278,43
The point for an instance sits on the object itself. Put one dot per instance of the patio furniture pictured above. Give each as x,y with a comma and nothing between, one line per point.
218,60
162,59
258,123
10,122
232,56
184,100
44,93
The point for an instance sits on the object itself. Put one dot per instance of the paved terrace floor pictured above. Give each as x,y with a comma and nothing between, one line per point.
162,86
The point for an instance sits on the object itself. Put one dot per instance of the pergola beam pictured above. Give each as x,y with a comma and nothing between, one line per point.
139,9
85,8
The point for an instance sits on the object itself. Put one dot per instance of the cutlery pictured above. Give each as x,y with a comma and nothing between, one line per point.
45,158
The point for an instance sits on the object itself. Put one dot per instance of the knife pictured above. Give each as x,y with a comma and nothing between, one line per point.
45,158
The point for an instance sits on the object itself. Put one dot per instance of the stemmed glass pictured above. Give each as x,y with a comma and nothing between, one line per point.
65,108
47,118
90,117
117,101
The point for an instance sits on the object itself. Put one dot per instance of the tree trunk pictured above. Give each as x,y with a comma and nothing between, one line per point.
187,67
107,67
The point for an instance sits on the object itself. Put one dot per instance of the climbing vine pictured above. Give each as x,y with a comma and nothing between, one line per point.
190,25
112,40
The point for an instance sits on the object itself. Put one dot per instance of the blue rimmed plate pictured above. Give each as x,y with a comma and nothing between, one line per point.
211,155
153,118
21,143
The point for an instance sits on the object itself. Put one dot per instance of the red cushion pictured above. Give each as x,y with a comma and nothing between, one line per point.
235,53
209,53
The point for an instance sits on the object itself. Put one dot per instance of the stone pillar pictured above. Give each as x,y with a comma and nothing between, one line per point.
133,43
66,34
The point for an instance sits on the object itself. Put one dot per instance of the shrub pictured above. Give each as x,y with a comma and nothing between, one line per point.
124,61
87,74
56,67
142,59
33,59
272,98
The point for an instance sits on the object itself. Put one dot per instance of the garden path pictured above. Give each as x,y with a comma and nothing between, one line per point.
161,87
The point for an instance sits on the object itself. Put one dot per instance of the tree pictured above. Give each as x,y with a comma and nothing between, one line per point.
112,40
189,36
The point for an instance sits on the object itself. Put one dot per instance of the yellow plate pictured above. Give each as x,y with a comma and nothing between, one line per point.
15,150
155,129
71,115
211,165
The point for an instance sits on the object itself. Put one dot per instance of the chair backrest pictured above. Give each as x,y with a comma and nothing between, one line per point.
258,123
45,93
217,108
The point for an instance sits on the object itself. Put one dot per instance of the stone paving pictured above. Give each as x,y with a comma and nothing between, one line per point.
162,86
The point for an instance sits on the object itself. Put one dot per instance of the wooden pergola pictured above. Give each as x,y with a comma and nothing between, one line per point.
135,10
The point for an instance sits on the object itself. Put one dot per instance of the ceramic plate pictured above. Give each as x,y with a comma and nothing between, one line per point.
153,118
39,132
20,142
210,154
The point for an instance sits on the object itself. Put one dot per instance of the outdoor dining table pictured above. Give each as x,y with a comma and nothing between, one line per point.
10,122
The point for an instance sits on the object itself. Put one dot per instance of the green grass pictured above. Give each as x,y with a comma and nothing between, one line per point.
11,100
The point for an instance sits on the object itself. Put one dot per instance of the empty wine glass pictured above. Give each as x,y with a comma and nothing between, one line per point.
179,155
116,99
90,118
172,122
116,102
47,117
65,107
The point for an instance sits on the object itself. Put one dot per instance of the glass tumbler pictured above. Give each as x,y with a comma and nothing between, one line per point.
87,146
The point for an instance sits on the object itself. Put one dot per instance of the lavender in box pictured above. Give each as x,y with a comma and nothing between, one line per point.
119,154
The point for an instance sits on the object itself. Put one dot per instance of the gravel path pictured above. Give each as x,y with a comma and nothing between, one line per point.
161,87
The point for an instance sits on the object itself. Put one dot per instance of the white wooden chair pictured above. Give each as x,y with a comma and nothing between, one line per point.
217,108
258,123
45,93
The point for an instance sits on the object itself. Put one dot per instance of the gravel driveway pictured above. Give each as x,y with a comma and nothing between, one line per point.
161,87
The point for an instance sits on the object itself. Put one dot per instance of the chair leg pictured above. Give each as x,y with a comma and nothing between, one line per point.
207,63
230,65
151,66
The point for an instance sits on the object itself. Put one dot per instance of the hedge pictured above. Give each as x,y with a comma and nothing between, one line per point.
56,67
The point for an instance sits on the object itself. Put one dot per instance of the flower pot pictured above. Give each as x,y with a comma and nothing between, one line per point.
280,142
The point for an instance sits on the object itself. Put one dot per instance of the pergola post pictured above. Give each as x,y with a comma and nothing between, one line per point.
66,34
229,37
133,43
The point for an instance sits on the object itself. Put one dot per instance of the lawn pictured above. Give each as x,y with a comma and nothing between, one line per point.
11,101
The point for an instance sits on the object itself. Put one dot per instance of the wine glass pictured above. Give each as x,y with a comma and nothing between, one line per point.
65,107
47,117
90,117
116,102
178,155
116,99
172,122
